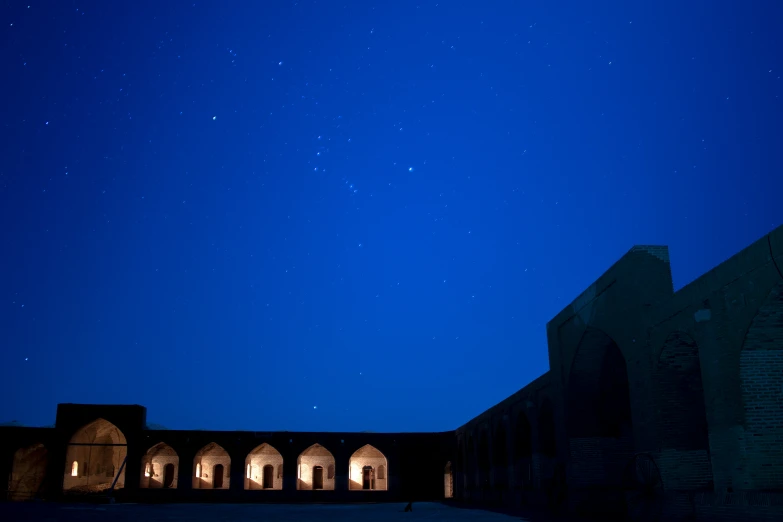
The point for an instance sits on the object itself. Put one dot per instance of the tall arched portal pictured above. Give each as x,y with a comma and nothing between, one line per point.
95,457
28,472
264,468
684,459
159,467
367,469
315,468
212,468
598,413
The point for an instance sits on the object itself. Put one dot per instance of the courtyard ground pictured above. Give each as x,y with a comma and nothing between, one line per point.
429,511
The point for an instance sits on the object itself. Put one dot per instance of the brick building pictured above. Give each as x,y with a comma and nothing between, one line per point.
658,405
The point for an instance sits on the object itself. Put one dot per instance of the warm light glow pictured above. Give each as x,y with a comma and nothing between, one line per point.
147,470
367,470
262,464
75,469
198,470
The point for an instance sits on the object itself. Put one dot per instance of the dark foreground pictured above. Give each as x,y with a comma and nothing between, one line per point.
430,511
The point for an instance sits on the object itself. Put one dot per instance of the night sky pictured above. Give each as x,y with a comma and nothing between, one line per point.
355,215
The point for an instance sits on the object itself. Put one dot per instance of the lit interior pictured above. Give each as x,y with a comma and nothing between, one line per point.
213,468
27,472
367,470
95,453
264,468
315,469
448,482
161,467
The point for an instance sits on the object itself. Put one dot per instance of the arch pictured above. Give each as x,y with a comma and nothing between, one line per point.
308,477
598,412
547,435
99,450
209,460
257,462
682,417
363,469
448,481
28,472
523,437
470,470
153,465
500,456
761,380
523,451
484,462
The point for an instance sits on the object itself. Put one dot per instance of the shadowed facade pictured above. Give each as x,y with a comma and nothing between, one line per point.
658,405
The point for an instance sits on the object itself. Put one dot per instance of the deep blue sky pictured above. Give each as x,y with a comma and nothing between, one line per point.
233,212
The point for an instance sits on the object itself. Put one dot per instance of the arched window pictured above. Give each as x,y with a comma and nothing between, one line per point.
147,470
381,472
247,474
198,470
75,469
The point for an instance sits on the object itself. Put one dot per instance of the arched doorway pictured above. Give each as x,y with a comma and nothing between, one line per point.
212,466
310,468
168,476
217,474
28,472
95,458
269,477
448,481
367,469
155,466
261,463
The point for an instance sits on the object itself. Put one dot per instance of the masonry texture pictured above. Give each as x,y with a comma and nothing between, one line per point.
657,405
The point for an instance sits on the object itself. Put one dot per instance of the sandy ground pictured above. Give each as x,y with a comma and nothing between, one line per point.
430,511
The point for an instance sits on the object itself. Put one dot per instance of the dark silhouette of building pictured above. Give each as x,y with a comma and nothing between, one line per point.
658,405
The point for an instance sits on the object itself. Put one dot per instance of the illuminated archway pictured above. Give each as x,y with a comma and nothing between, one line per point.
315,468
264,468
448,481
28,472
212,468
367,469
95,458
159,467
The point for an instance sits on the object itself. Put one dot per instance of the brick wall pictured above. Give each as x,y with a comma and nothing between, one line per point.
28,472
261,456
683,459
761,374
367,456
206,462
155,460
315,455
